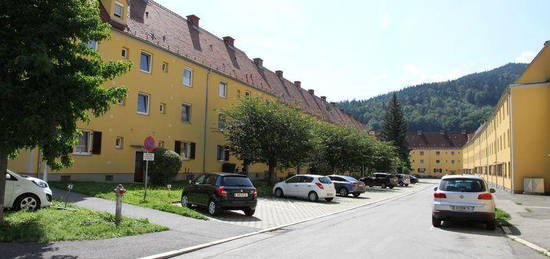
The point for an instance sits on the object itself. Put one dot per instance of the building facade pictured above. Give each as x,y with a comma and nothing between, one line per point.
513,145
182,77
435,154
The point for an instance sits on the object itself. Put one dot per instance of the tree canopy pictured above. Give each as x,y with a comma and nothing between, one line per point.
394,128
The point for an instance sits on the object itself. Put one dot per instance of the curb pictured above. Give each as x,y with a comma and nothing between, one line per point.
524,242
186,250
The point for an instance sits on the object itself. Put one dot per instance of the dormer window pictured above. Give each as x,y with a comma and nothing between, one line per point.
119,10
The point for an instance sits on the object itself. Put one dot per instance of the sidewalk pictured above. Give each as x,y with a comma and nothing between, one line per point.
184,232
530,216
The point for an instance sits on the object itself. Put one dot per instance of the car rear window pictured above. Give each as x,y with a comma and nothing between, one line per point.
325,180
237,181
462,185
349,178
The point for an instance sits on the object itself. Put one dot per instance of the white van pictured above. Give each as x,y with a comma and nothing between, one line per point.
27,193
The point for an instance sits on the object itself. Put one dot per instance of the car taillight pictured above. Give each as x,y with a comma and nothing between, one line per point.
254,193
320,185
355,184
440,195
221,191
485,196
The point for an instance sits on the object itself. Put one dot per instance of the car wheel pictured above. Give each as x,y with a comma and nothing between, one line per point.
249,212
27,202
383,186
343,192
391,186
436,222
356,194
279,193
213,208
329,199
185,201
312,196
491,225
407,185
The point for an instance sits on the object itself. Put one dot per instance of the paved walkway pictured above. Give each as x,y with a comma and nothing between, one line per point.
184,232
530,216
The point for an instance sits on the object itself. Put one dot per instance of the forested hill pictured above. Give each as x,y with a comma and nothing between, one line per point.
452,105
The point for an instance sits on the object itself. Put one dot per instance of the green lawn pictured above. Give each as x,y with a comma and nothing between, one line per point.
50,224
158,197
264,189
502,217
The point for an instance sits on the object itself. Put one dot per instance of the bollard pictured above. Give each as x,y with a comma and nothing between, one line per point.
169,187
69,189
119,191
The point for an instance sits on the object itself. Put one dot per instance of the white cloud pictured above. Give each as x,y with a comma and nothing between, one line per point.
525,57
385,21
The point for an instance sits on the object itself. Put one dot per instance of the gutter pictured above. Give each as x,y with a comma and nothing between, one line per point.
205,121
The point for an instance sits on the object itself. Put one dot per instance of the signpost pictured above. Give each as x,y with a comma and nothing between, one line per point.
148,145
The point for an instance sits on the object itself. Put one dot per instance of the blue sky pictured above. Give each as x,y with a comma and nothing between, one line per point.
359,49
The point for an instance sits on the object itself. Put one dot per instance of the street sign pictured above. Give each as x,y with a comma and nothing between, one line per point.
148,156
149,144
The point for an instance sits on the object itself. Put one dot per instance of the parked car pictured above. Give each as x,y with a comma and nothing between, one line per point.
346,184
380,179
223,191
414,179
312,187
463,197
403,180
26,193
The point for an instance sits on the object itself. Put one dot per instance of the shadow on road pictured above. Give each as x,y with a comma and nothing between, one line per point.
470,228
29,250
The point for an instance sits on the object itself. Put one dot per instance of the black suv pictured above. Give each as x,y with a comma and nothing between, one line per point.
380,179
222,191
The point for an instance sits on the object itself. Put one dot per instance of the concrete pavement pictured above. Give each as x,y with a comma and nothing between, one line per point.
397,229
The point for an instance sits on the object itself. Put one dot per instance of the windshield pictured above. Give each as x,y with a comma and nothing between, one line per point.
325,180
462,185
237,181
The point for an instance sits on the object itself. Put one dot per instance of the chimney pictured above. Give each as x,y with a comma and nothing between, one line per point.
259,62
193,19
419,132
324,98
311,91
229,40
442,132
297,83
279,73
333,103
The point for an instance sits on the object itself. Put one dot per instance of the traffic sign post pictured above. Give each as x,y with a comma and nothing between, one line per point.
149,145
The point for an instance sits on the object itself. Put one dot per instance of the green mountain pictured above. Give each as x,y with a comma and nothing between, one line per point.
460,104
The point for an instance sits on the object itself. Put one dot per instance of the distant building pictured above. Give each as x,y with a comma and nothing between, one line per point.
435,154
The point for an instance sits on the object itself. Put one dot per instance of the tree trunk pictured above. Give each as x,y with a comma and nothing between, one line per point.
270,172
3,169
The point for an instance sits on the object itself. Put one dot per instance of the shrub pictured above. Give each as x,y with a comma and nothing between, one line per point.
165,167
228,167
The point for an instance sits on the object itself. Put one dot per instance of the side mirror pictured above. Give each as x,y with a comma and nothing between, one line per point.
435,189
492,190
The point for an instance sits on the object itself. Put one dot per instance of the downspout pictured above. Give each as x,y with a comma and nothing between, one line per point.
511,139
205,121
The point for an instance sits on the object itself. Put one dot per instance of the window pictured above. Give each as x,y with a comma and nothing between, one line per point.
161,143
452,153
84,145
119,10
421,170
421,153
185,149
247,93
437,153
462,185
119,142
145,62
222,153
121,102
452,161
422,161
187,77
185,112
437,161
124,52
162,108
222,89
92,44
143,104
164,67
239,181
221,121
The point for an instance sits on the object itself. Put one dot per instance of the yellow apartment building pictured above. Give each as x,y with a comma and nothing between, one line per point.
435,154
513,146
182,76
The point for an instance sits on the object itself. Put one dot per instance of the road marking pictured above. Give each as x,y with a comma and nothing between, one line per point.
187,250
525,242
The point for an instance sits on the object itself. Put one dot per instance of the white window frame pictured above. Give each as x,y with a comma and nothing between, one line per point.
164,67
90,136
185,150
189,110
148,105
126,52
190,77
224,84
162,108
119,142
150,61
121,14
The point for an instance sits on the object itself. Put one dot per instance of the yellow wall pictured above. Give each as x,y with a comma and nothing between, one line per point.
450,161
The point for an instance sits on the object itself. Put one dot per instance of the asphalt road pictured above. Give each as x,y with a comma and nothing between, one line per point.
397,229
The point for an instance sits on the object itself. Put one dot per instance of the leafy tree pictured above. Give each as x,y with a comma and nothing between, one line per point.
166,166
394,128
49,80
268,132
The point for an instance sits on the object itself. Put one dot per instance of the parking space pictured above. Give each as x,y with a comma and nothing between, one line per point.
272,212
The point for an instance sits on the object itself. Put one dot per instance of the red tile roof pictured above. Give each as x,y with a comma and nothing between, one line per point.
438,139
156,24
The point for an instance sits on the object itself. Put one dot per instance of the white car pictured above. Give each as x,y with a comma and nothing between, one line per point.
27,193
312,187
463,197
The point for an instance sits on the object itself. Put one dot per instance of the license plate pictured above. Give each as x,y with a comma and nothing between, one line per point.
330,194
463,208
241,194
